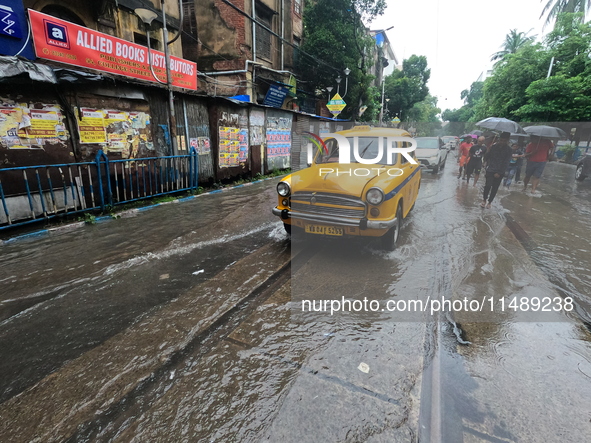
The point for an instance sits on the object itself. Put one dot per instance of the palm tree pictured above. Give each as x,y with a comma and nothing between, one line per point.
555,7
513,42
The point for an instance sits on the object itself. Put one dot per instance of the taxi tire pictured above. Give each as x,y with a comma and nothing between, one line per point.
287,228
579,176
435,169
390,238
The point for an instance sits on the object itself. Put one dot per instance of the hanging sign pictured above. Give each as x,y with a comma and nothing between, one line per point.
66,42
275,96
336,105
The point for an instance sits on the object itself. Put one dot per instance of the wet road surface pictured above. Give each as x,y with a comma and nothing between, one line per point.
270,372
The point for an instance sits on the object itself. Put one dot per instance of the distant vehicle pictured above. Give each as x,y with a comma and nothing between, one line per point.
583,168
450,141
431,152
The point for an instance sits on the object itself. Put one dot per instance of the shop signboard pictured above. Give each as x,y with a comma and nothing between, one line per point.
66,42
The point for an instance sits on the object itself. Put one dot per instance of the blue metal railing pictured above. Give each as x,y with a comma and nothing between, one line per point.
33,193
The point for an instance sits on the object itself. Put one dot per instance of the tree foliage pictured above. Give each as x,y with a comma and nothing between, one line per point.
523,88
554,8
514,41
408,86
424,116
334,34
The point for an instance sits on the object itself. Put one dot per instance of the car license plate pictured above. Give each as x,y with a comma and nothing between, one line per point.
325,230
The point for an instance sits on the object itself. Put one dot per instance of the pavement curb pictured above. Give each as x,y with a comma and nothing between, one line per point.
123,214
53,409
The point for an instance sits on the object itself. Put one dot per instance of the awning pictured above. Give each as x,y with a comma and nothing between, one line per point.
11,67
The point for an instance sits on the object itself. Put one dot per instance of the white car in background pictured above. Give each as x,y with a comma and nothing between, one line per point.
450,141
431,152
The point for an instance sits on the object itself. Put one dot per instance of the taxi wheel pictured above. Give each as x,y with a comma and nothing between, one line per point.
287,228
435,169
390,238
579,176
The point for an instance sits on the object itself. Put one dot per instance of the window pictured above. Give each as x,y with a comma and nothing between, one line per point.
297,7
142,39
189,18
296,51
263,37
63,13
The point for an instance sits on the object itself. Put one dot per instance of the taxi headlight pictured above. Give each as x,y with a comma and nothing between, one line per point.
375,196
283,189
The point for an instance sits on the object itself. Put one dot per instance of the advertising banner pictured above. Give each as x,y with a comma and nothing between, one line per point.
14,35
66,42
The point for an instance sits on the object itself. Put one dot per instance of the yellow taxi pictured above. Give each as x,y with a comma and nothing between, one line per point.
367,195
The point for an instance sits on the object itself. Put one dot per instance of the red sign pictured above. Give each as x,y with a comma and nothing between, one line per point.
69,43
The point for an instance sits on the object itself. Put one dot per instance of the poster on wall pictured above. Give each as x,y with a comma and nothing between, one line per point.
126,133
91,126
257,125
229,152
201,144
24,126
278,137
243,145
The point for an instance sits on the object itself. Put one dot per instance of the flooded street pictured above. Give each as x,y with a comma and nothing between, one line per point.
192,322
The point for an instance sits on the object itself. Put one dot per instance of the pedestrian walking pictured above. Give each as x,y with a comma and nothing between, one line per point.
521,143
514,164
463,153
537,153
474,165
497,160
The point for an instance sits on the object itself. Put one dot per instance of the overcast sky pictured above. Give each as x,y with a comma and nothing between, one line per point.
458,37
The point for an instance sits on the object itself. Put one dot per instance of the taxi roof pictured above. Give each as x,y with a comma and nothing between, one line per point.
366,130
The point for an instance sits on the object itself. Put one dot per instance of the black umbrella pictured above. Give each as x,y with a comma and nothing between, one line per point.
501,124
546,131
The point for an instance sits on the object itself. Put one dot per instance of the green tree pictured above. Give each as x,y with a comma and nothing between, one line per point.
334,34
554,8
424,116
473,95
564,96
558,98
408,86
504,91
514,41
569,44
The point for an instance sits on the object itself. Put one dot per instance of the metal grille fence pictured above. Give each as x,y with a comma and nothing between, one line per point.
32,193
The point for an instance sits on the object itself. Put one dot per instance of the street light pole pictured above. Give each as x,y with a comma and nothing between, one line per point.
347,72
147,16
171,113
382,108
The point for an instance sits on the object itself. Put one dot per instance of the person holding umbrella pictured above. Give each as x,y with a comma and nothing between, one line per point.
497,159
536,153
540,148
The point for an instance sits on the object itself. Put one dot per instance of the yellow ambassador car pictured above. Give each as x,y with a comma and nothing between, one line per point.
352,199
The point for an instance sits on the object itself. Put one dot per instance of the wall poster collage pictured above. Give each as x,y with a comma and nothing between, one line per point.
123,132
24,126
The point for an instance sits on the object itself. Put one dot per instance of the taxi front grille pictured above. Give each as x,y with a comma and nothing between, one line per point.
328,204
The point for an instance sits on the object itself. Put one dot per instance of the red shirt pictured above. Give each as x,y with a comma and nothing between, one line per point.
465,149
540,150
